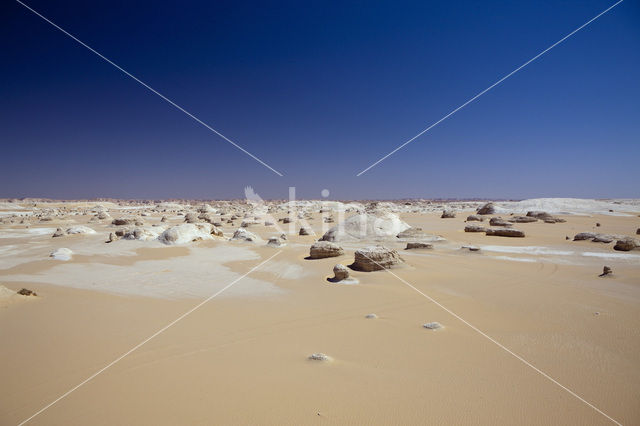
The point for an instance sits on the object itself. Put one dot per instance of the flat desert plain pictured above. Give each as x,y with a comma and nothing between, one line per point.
521,330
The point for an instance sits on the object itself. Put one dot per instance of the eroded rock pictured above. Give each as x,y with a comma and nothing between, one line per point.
375,258
324,249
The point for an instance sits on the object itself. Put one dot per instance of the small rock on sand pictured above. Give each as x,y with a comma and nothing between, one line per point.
340,272
475,217
411,246
319,357
243,235
474,228
274,242
606,271
545,217
448,214
498,221
470,248
59,233
80,230
26,292
432,325
523,219
412,232
584,236
505,232
371,316
61,254
305,231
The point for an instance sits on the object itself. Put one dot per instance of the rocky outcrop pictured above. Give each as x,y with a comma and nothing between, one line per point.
584,236
122,221
324,249
80,230
410,233
366,227
305,231
545,217
61,254
602,238
505,232
595,237
474,228
242,234
488,208
523,219
274,242
142,233
498,221
627,244
413,246
188,232
191,218
475,217
375,258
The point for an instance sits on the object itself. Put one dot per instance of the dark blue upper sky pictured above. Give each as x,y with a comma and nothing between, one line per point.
320,90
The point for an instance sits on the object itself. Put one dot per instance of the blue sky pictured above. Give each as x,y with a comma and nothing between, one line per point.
320,90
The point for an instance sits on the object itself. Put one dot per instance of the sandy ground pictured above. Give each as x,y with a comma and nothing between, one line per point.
242,357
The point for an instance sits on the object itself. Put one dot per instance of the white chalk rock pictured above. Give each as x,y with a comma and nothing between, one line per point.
80,230
188,232
61,254
145,233
366,227
242,234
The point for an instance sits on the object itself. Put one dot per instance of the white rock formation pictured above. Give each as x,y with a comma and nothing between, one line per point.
375,258
242,234
188,232
80,230
366,227
144,233
61,254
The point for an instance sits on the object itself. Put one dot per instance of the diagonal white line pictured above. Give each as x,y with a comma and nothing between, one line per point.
489,88
163,329
152,89
500,345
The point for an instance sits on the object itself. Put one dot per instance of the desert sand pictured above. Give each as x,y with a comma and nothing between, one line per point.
243,357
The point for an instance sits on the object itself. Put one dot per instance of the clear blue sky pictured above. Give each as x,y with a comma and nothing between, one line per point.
320,90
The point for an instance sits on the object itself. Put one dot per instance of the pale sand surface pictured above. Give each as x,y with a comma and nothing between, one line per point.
242,358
